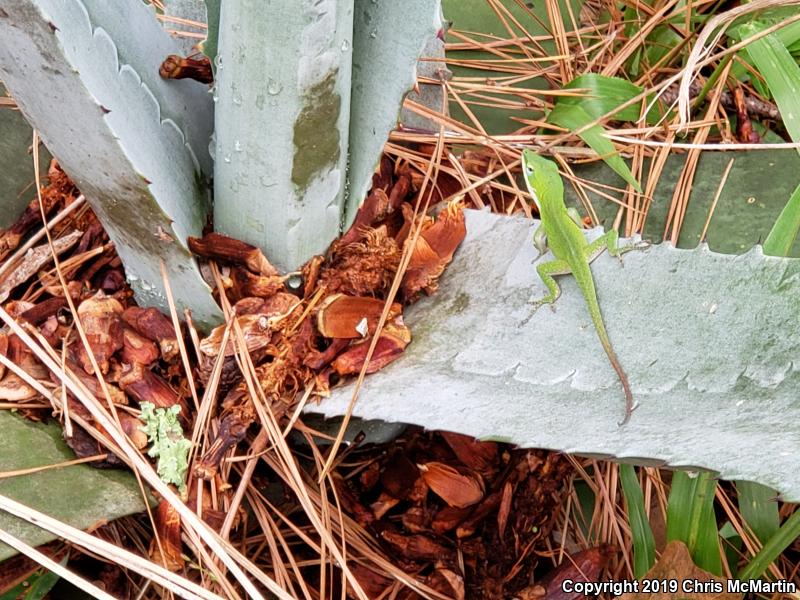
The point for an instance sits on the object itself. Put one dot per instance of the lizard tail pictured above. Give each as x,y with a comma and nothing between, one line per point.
612,356
623,377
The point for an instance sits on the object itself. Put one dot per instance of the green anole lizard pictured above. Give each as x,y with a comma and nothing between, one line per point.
571,250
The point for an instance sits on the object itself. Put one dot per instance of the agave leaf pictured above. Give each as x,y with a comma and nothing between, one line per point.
388,38
16,165
701,335
756,190
79,495
185,103
131,157
190,10
283,87
291,123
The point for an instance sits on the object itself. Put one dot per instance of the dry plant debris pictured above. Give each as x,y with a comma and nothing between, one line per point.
289,336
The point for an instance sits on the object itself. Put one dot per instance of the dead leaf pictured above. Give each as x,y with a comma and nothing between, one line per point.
433,249
585,566
170,550
457,489
676,564
101,319
391,343
472,453
34,260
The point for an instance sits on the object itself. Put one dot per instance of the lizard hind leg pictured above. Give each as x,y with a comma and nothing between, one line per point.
547,271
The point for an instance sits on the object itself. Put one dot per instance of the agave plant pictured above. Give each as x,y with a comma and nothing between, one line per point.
304,100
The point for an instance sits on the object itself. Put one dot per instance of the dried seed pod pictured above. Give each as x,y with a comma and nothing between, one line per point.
178,67
138,349
349,317
364,268
25,359
16,308
155,326
449,518
372,583
310,274
216,246
391,344
14,389
244,283
3,351
146,386
100,317
57,192
583,566
417,519
90,382
456,488
232,429
37,314
383,504
168,526
249,306
418,546
133,429
317,359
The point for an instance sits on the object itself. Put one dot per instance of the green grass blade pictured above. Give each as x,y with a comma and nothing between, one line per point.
644,544
46,582
781,73
759,507
574,118
35,587
732,545
602,95
781,238
773,548
691,519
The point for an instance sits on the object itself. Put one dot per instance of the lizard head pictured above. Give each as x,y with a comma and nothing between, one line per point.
541,177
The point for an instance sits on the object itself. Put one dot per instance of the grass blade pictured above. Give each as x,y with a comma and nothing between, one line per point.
691,519
783,234
772,549
575,117
759,509
644,544
602,95
781,73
